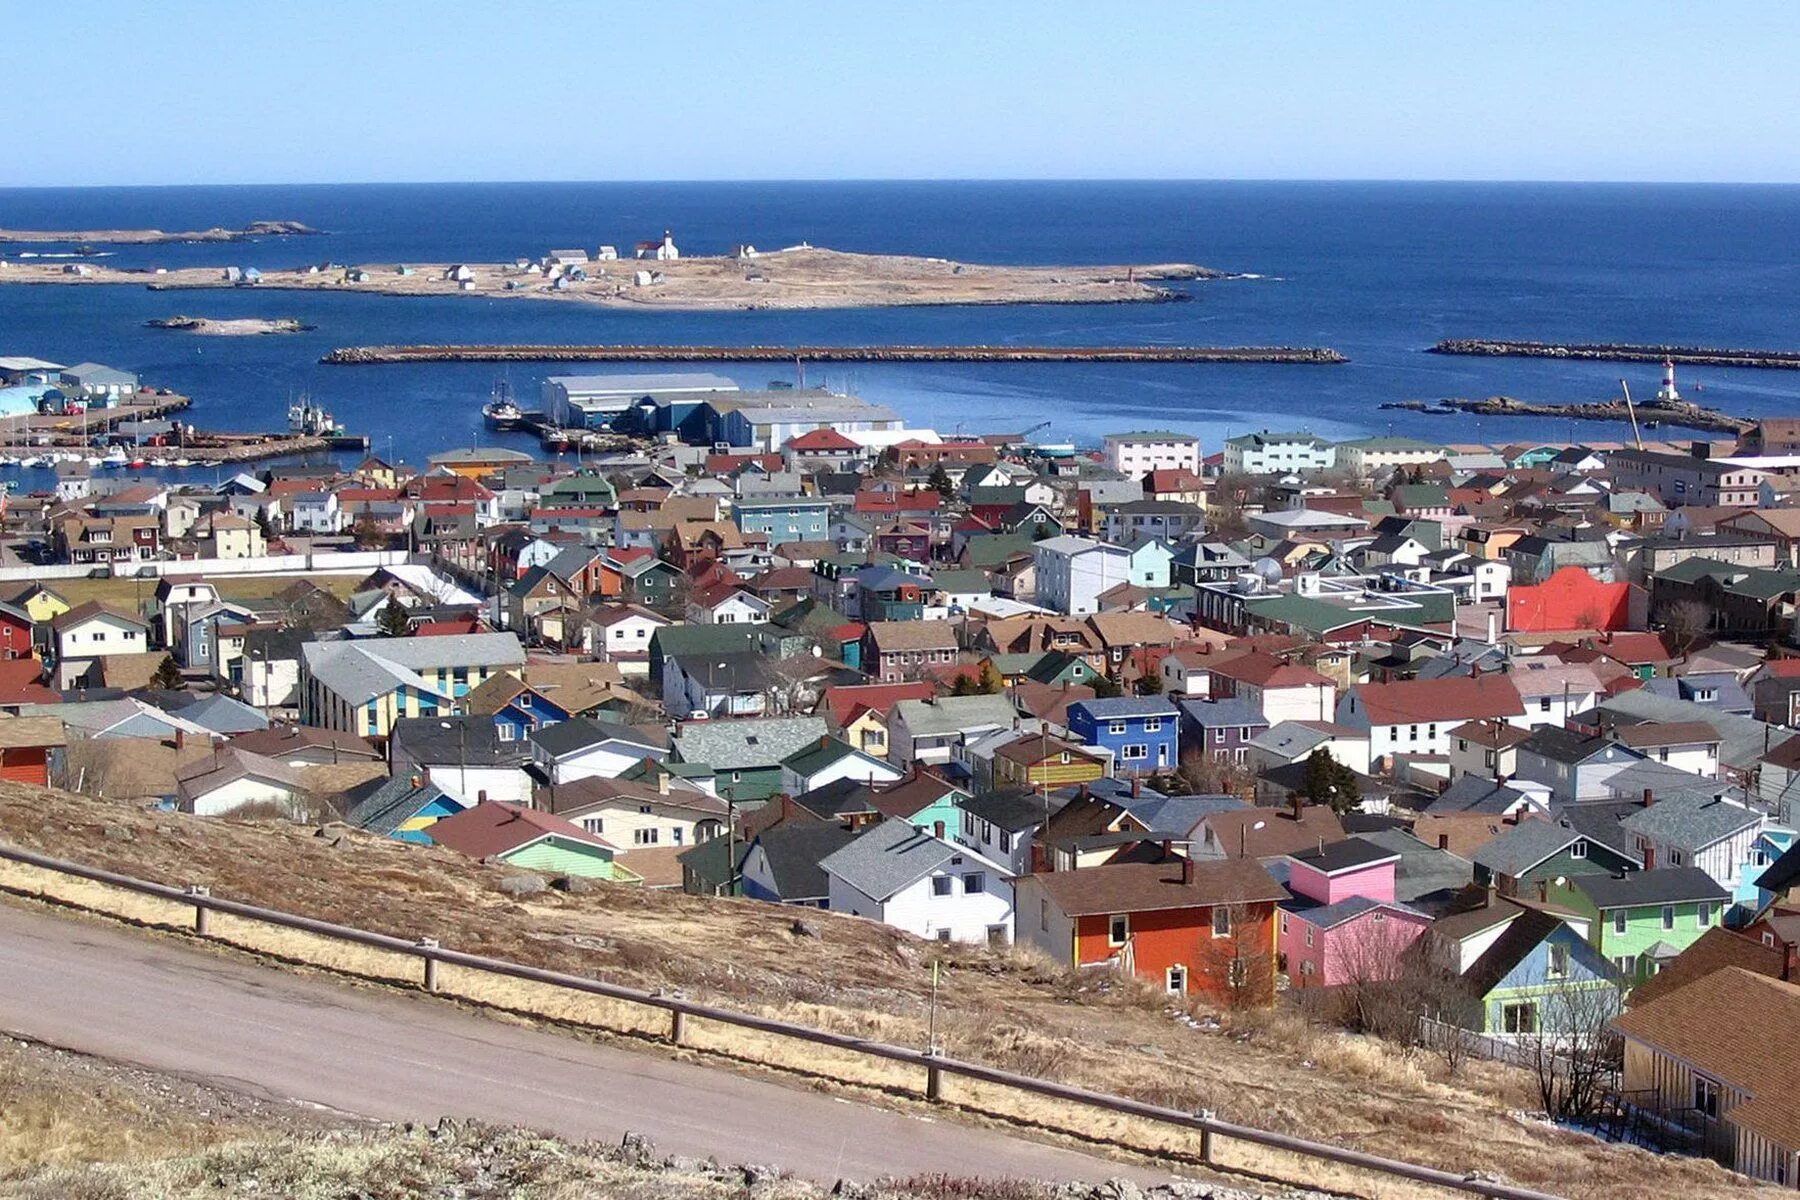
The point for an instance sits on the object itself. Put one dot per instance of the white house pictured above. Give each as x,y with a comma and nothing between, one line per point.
924,885
828,760
1001,826
1187,673
582,747
1552,692
1379,455
315,512
727,604
1415,716
621,633
1281,691
1290,741
93,631
1267,453
634,814
1073,572
1691,746
233,779
1138,454
930,731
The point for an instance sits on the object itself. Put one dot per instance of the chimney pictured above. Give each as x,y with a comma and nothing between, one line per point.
481,796
180,739
662,783
1295,804
1137,786
1649,797
1443,841
424,775
1187,872
787,806
1490,893
1649,858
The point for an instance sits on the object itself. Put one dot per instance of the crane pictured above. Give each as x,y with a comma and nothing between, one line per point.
1631,410
1034,429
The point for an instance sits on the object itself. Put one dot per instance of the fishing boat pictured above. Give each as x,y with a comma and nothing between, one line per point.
307,419
32,461
183,462
500,412
115,458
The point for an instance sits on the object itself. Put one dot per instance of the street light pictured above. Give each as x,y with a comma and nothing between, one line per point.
1244,834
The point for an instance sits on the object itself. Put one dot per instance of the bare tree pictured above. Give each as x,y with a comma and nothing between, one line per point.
1237,964
1684,623
1566,1041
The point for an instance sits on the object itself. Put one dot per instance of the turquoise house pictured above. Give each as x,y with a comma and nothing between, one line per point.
1769,845
526,838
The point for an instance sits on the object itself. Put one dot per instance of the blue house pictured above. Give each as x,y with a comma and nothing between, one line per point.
1750,898
790,520
1520,983
1143,732
518,709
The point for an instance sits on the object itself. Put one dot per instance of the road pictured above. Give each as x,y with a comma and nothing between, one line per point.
149,1001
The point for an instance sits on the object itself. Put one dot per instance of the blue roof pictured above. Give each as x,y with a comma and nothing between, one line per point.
1115,707
1179,814
1234,710
21,399
1327,916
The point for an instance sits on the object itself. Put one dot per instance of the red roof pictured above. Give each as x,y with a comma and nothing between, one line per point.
1453,700
1782,668
496,827
820,439
451,628
21,682
1635,648
1175,479
918,500
1267,671
841,702
625,555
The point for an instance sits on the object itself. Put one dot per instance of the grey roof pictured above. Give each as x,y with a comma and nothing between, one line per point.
383,805
1472,793
1178,816
356,672
1691,822
1127,706
1665,885
1598,822
222,714
1328,916
955,714
452,650
1425,876
1556,744
746,744
472,741
794,850
1014,810
646,384
1663,781
891,856
1345,854
581,733
1742,737
1524,846
1219,714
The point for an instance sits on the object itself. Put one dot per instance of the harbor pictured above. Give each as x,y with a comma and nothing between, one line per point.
371,355
1691,356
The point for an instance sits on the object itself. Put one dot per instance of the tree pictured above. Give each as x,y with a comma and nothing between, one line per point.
1570,1047
964,685
1105,688
264,524
1328,781
168,675
1684,623
392,620
988,681
1238,965
940,482
367,533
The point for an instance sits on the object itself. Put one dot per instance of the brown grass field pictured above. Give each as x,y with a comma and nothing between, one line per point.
1010,1008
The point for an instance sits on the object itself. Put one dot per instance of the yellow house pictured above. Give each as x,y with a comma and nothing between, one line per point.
1046,762
41,603
227,535
867,730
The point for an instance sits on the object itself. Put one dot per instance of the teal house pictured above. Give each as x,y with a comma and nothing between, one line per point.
530,840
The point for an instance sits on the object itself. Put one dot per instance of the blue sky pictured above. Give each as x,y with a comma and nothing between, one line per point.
360,90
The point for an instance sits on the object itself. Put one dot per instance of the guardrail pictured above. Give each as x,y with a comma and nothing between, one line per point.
934,1066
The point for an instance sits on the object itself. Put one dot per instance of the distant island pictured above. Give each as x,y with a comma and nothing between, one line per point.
230,326
150,237
802,277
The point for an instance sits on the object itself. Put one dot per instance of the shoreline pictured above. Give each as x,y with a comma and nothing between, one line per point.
802,278
156,237
380,355
229,326
1650,414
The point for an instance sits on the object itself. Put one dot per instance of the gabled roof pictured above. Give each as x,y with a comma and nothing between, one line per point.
577,734
1523,846
495,827
1526,932
893,856
1158,887
794,849
1693,822
1455,698
1664,885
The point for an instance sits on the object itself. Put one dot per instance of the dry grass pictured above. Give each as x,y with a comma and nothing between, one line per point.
1013,1009
132,595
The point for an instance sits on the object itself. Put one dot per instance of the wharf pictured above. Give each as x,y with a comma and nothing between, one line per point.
368,355
1703,356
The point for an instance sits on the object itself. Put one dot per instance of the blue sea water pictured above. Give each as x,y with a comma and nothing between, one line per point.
1377,270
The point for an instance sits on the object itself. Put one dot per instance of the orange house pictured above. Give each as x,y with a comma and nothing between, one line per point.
25,747
1570,599
1189,928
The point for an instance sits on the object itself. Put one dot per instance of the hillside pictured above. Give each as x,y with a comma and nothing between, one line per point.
1008,1008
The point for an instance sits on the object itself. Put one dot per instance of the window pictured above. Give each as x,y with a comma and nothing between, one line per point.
1378,917
942,885
1118,930
1703,914
1518,1018
1152,724
1221,922
1579,849
1759,858
594,824
505,733
1309,935
968,823
1675,858
1413,732
1618,920
943,935
675,835
1544,704
1626,964
1706,1096
1668,916
1044,915
1116,728
1559,961
1176,980
974,883
644,837
1284,927
1006,842
1134,752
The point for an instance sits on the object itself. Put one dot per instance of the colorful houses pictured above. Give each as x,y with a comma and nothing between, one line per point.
1340,922
526,838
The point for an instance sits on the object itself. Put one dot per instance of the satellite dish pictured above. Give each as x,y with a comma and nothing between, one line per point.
1268,570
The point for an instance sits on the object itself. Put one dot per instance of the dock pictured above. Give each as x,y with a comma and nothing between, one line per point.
1701,356
371,355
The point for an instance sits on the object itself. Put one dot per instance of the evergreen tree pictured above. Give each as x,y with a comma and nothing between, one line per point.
940,482
989,683
1328,781
168,675
1105,688
392,619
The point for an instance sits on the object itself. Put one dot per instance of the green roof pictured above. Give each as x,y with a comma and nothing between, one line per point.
969,580
1391,442
818,756
993,549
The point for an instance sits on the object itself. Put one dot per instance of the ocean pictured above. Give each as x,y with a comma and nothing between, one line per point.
1379,271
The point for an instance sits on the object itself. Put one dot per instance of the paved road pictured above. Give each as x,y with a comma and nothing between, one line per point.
110,992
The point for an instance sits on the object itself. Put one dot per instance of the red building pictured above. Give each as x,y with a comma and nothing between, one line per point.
1570,599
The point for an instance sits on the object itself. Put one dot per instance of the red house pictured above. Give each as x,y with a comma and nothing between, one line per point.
1183,926
15,631
1569,599
25,747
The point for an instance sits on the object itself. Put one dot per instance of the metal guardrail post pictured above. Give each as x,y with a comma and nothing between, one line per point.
427,945
677,1026
1206,1146
202,914
934,1082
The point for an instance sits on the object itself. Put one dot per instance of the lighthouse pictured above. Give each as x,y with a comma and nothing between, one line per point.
1667,394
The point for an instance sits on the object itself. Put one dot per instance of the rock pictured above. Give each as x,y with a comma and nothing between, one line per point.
575,885
849,1189
1120,1189
118,833
803,928
523,885
755,1173
637,1148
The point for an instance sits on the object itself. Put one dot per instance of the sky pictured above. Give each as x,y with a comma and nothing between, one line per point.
180,92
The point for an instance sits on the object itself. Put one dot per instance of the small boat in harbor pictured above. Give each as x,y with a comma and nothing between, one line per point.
500,412
183,462
115,458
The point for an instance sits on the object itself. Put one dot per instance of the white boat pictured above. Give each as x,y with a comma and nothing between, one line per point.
183,462
159,462
115,458
92,460
33,461
8,460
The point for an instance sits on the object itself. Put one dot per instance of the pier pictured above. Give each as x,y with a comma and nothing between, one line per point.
1702,356
369,355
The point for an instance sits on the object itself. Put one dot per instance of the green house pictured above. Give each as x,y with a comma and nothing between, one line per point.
528,839
1527,980
1641,919
1530,857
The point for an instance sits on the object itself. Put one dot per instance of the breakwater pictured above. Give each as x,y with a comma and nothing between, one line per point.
364,355
1701,356
1650,414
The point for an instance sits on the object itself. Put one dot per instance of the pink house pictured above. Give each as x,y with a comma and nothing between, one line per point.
1341,922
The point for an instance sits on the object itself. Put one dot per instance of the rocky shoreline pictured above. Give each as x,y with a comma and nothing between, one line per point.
368,355
1649,413
151,237
1703,356
230,326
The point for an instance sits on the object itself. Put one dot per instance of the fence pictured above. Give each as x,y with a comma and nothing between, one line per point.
933,1067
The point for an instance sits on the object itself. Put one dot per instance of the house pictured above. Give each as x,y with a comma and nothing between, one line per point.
1289,742
1142,734
1415,716
1736,1076
1038,760
521,837
90,632
782,862
364,686
1136,455
1269,453
745,756
1552,692
583,747
28,747
1185,927
1534,975
1711,831
1488,748
1278,689
634,814
914,881
1531,854
1691,746
463,755
1221,730
898,651
726,604
621,633
1000,825
1572,765
234,779
402,807
1642,919
829,760
1340,922
1073,572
